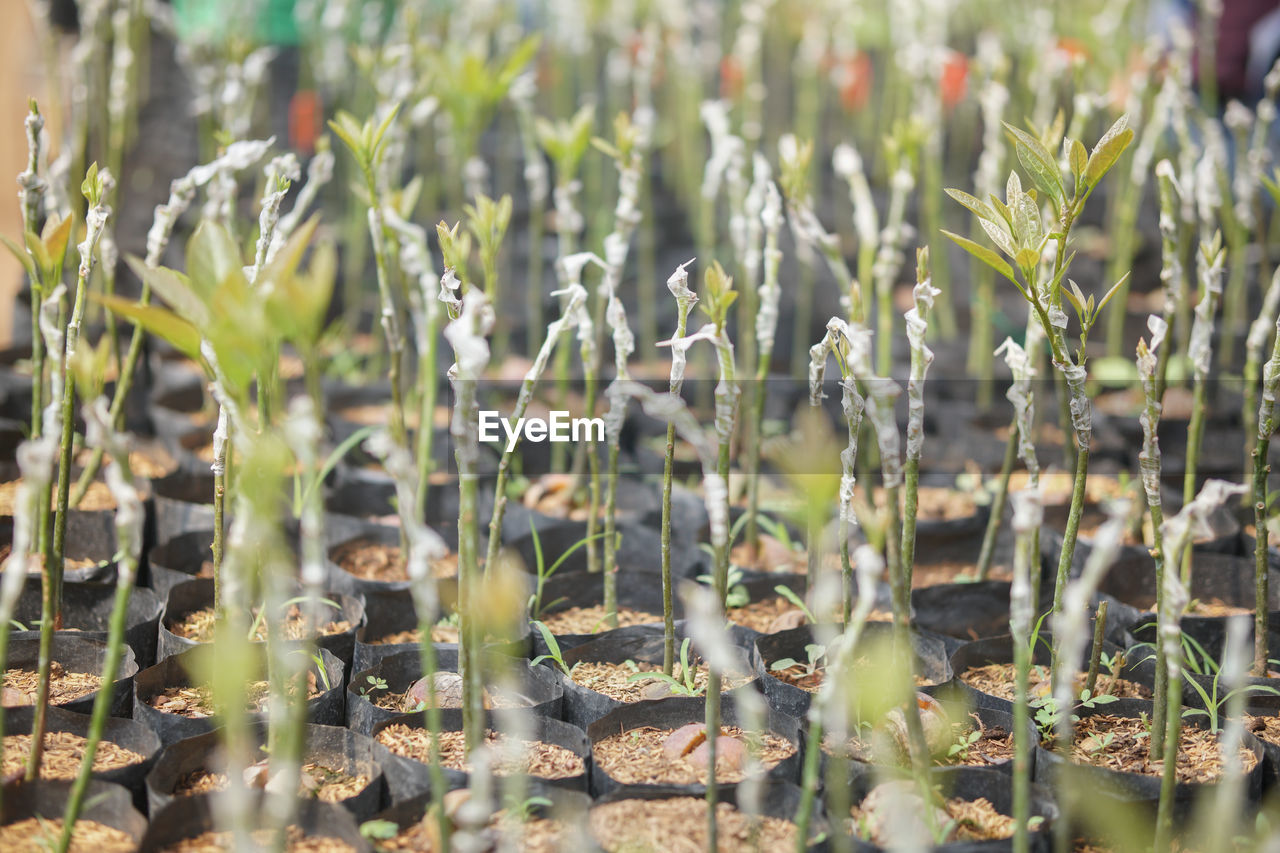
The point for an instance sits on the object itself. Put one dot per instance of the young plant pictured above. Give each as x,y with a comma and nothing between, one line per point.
472,320
678,284
553,650
95,188
684,681
1261,470
1017,228
921,357
1021,443
815,660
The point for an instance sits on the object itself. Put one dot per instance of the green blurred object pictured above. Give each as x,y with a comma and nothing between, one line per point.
262,21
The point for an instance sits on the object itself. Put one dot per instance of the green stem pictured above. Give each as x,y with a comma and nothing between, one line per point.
610,600
1095,654
668,615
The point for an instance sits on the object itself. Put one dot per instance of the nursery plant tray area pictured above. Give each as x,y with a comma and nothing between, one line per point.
763,425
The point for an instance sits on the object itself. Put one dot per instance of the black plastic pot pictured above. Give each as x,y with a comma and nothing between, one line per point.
184,502
104,803
959,709
543,729
1213,576
1000,650
334,747
777,799
395,613
125,733
79,654
677,711
178,559
197,594
583,706
191,817
86,610
930,662
401,670
90,536
1137,788
325,709
970,783
586,589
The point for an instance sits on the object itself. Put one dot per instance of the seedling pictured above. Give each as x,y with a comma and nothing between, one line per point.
815,660
685,680
553,650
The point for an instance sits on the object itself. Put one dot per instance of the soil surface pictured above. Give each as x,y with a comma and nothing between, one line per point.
639,757
679,825
536,835
40,835
62,754
993,747
954,571
535,758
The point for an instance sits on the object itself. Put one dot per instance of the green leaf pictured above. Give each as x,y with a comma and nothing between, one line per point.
23,256
1000,236
1039,163
55,235
212,258
379,830
784,663
1112,292
1078,157
987,256
979,207
1107,151
158,321
175,289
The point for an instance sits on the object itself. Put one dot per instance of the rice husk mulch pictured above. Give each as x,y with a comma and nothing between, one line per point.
679,825
198,625
993,747
296,842
612,679
39,835
591,620
974,820
636,757
1199,753
62,753
371,560
318,781
536,835
997,679
197,702
544,760
64,686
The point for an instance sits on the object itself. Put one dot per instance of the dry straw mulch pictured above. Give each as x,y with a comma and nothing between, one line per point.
371,560
535,758
62,754
38,835
974,820
679,825
638,757
591,620
536,835
613,680
1122,744
64,686
997,679
296,842
318,781
198,625
97,498
994,746
197,702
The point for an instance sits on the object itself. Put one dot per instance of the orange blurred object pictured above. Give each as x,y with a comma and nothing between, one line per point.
855,77
955,78
304,120
731,77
